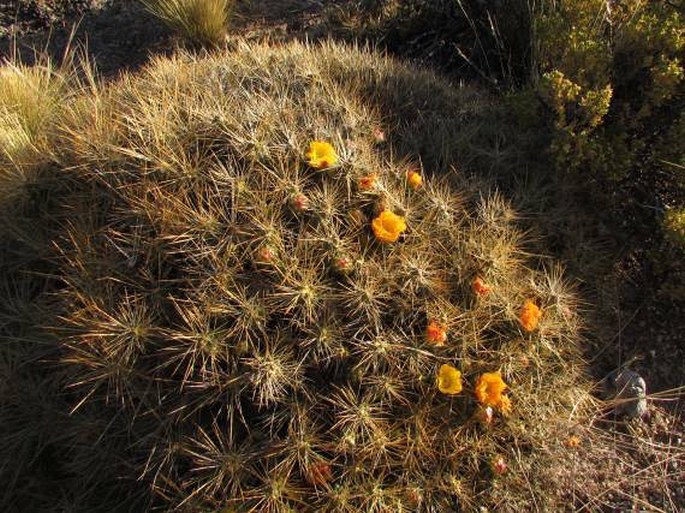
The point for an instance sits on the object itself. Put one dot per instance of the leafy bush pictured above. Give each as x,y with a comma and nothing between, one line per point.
609,86
616,96
246,320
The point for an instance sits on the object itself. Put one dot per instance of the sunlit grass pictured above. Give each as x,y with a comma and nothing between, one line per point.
199,22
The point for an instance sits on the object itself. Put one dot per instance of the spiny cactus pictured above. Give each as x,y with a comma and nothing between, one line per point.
281,311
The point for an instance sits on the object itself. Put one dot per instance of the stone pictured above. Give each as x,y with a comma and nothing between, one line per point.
629,390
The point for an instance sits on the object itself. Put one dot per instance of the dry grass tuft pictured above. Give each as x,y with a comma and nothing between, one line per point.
29,104
199,22
33,102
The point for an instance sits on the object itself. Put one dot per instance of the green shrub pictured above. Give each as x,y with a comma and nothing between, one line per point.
674,225
610,84
615,100
669,255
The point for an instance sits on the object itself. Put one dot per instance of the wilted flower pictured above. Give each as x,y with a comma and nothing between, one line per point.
499,466
367,182
436,334
489,389
480,288
378,135
414,496
264,254
388,226
449,380
414,179
485,415
530,315
321,155
318,474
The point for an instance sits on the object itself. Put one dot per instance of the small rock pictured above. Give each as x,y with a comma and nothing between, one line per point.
629,390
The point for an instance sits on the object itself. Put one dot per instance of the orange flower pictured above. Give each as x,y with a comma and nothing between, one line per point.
573,442
321,155
414,179
489,389
368,182
436,334
449,380
388,226
480,288
530,315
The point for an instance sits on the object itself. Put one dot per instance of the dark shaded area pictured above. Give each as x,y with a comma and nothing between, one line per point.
484,41
119,35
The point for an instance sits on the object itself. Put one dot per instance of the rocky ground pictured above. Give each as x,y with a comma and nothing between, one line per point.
122,35
119,34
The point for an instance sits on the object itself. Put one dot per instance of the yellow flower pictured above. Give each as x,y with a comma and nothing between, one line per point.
321,155
530,315
449,380
388,226
436,334
414,179
489,388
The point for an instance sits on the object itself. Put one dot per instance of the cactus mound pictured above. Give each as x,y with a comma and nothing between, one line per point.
279,326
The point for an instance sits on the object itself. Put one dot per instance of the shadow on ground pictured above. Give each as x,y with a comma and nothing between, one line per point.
121,35
118,36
